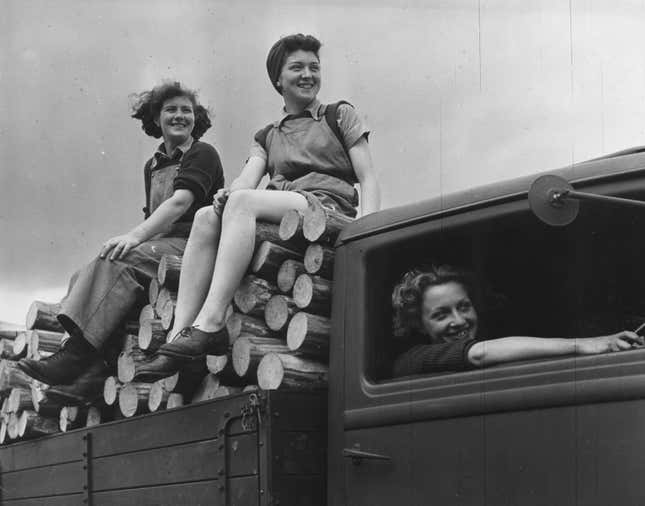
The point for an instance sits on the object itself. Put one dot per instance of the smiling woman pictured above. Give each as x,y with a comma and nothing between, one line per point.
313,152
181,177
437,324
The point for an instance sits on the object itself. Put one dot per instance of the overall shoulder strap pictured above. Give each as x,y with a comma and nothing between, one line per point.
331,117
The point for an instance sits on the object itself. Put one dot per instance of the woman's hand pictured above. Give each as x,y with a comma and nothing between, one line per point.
219,200
120,246
624,340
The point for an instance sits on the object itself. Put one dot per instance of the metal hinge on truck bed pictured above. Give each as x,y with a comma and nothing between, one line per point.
252,411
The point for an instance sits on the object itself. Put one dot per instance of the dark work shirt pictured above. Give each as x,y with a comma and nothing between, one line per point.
200,171
422,357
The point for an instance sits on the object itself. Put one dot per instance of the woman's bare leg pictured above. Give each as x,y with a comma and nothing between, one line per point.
196,267
236,245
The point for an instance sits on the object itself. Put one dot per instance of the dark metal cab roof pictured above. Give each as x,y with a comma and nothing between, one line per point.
610,166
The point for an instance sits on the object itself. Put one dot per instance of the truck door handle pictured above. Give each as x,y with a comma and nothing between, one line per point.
357,455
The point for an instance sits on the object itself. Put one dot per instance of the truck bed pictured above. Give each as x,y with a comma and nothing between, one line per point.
254,448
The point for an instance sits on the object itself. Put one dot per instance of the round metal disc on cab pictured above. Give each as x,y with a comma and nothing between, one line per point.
545,204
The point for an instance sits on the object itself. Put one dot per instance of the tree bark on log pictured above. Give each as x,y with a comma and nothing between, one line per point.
111,389
308,335
268,258
12,377
323,225
42,315
168,271
32,424
277,370
271,232
248,352
206,389
240,324
151,335
287,274
313,294
45,340
133,398
319,260
147,313
252,295
278,312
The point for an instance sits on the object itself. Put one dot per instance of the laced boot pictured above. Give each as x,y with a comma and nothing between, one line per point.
87,388
191,344
64,366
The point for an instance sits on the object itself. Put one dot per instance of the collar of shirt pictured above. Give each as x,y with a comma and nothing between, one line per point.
177,155
315,109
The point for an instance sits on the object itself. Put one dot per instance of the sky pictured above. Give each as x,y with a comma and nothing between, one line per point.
457,93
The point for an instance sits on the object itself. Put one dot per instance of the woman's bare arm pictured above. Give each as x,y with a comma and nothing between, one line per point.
509,349
361,159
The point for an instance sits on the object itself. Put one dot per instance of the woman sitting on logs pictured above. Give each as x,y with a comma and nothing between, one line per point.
181,177
310,157
435,315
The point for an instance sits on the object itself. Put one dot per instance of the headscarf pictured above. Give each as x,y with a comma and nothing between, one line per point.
274,62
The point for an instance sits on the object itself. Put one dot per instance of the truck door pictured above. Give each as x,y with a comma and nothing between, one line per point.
550,431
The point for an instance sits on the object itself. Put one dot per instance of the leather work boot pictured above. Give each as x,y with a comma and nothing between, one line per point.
158,367
64,366
192,343
86,388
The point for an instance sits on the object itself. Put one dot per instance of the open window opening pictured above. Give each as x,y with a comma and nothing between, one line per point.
585,279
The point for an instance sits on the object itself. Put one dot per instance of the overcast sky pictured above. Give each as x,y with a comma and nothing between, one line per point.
457,93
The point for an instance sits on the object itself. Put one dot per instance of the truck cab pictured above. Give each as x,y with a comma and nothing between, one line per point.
559,431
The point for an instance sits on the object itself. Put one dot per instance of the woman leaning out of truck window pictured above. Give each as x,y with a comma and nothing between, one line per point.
306,161
182,176
434,315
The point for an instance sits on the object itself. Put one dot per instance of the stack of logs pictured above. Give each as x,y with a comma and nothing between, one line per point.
278,324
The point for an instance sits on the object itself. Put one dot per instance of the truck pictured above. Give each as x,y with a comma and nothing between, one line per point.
558,431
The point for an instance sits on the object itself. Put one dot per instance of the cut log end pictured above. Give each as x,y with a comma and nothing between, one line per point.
111,389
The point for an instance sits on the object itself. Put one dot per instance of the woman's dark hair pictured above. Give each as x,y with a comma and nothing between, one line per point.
407,297
283,48
147,107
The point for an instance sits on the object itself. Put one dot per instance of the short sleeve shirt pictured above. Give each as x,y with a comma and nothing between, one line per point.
200,171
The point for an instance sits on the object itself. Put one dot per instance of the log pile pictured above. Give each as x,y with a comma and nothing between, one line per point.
279,329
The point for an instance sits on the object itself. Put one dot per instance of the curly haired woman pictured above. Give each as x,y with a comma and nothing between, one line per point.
182,176
434,313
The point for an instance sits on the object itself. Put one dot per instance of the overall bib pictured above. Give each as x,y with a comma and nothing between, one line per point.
105,291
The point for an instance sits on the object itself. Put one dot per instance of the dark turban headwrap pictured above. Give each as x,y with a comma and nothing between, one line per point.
274,62
285,46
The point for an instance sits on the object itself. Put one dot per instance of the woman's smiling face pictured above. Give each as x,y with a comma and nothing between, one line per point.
177,119
299,79
448,313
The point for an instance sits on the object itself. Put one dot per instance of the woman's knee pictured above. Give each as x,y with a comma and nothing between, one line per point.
206,219
241,201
